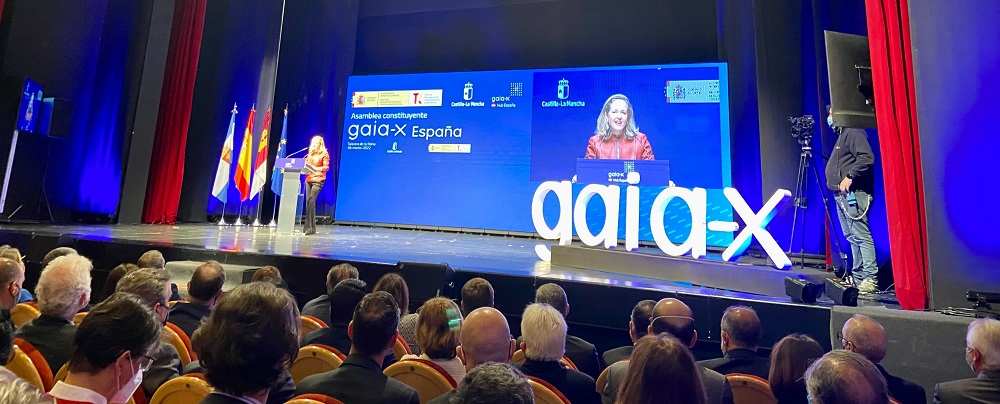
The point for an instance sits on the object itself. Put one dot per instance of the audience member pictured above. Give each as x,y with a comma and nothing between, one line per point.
248,342
581,352
6,343
359,380
790,358
63,289
204,291
152,259
439,329
485,338
320,306
11,279
674,317
153,287
544,331
740,337
15,255
109,356
637,324
18,391
494,383
56,253
982,353
476,293
844,377
662,371
395,285
343,301
269,274
865,336
116,274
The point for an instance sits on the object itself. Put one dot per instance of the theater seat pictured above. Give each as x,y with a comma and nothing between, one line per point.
750,389
424,376
546,393
602,380
178,343
518,358
22,313
78,318
313,399
44,371
401,347
181,390
310,324
22,366
313,359
184,339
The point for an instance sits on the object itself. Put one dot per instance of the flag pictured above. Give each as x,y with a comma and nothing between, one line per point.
242,177
221,187
276,175
260,163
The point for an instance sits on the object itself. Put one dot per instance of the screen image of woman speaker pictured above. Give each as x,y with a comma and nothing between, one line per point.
319,161
617,137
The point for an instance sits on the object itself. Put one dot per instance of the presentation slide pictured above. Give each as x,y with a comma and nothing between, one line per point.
468,149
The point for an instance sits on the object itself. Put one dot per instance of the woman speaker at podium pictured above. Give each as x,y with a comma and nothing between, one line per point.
318,160
617,136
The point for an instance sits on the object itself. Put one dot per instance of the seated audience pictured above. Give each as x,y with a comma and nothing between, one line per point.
494,383
15,255
544,332
476,293
741,332
485,338
11,279
439,328
662,371
359,380
204,290
152,259
672,316
637,325
790,358
6,345
982,353
865,336
581,352
343,301
320,306
63,289
844,377
153,287
56,253
269,274
18,391
109,356
116,274
248,342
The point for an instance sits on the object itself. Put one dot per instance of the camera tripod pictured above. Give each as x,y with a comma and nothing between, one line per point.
799,201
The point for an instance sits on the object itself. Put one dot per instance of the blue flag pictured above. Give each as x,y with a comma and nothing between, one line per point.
276,176
220,188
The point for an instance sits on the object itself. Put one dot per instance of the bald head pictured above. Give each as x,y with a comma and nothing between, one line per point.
866,337
674,317
741,329
485,337
844,377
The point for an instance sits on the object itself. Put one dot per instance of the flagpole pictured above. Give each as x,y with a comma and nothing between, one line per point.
284,123
222,218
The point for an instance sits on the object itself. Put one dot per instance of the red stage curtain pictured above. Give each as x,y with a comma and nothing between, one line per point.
896,109
166,171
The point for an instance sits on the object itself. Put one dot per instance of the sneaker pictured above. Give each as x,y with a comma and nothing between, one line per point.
867,286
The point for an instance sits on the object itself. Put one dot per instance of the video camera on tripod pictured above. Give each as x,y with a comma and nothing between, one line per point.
803,128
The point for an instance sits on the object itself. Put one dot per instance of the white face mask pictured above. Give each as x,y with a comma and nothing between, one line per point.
126,391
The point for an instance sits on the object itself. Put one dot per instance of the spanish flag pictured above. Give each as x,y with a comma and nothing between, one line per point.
242,177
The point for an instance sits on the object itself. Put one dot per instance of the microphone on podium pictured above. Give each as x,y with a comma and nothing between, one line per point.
300,151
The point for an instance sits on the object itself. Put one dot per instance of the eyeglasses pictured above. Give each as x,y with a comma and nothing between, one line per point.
146,363
843,341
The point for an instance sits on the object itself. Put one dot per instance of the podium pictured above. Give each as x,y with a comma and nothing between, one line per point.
291,184
614,172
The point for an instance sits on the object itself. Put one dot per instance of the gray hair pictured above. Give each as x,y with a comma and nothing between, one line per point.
544,332
494,383
844,377
152,259
62,284
984,335
553,295
18,391
604,127
147,283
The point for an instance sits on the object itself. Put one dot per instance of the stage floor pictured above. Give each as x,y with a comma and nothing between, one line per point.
464,252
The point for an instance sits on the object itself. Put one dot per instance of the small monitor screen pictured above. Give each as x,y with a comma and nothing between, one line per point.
30,109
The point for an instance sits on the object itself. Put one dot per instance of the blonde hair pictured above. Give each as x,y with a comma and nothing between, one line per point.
322,144
544,332
436,335
604,127
984,335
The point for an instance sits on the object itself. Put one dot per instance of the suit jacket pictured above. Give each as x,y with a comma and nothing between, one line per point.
617,354
336,336
444,398
904,391
221,399
359,380
575,385
188,316
281,392
740,361
52,336
318,307
716,386
166,366
619,149
985,388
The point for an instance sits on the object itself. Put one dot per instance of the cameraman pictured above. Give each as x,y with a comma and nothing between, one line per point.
849,175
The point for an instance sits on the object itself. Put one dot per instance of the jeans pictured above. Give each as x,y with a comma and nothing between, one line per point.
312,192
854,221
